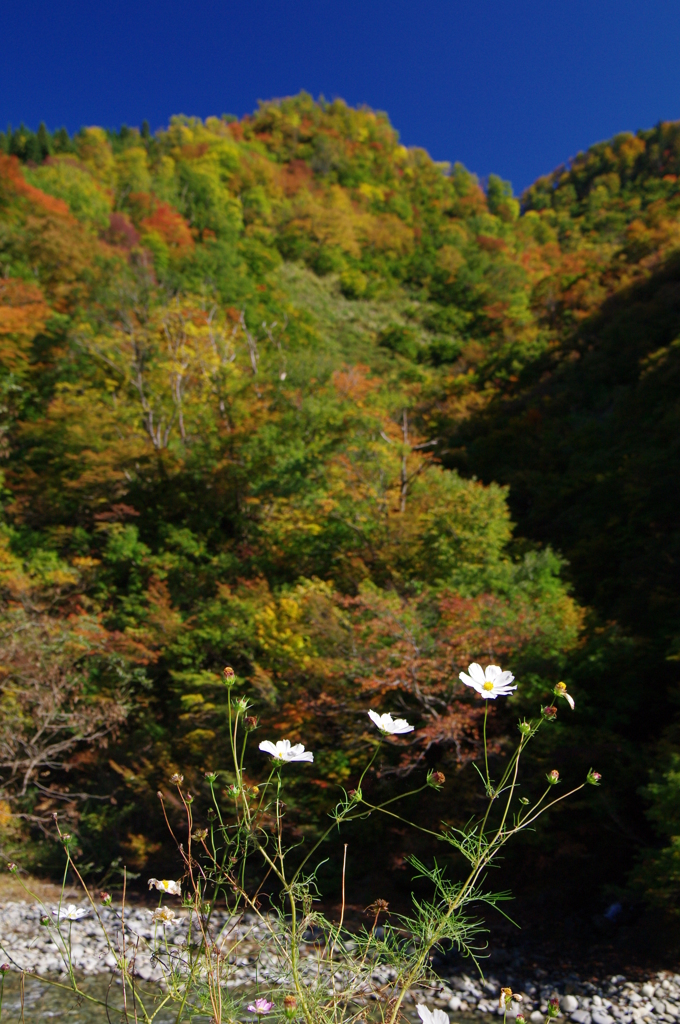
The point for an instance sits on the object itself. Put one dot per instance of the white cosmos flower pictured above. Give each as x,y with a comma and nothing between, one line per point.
491,683
282,750
163,885
561,691
393,726
431,1016
163,914
71,913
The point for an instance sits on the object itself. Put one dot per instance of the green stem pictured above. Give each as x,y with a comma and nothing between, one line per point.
402,796
482,860
44,980
429,832
340,819
486,756
528,821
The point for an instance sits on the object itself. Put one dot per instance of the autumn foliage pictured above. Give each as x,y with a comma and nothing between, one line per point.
240,362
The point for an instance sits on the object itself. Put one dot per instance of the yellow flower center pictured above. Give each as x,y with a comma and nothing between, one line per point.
488,685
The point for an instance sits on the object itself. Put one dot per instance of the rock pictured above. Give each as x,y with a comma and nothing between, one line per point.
454,1003
536,1017
601,1017
648,990
581,1017
569,1003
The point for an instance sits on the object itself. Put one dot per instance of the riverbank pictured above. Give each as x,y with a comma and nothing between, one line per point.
31,946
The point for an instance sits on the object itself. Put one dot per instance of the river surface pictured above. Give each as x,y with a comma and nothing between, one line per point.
44,1002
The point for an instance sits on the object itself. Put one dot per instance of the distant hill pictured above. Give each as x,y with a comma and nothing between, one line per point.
273,392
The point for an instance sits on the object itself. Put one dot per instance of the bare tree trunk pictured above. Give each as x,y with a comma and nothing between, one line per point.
252,344
404,475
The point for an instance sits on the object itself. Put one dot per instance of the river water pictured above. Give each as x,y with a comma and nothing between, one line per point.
43,1002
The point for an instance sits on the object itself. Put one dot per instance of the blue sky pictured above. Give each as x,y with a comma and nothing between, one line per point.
513,88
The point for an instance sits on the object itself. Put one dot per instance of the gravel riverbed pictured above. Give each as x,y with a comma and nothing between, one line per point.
28,945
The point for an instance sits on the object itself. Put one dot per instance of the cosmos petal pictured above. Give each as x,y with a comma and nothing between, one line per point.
477,673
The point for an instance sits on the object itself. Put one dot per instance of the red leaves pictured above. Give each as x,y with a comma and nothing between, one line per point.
13,186
295,176
153,216
170,225
23,310
122,232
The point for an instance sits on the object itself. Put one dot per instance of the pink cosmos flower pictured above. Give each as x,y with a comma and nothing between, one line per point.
261,1006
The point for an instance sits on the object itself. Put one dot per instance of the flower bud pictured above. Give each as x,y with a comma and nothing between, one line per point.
105,898
554,1007
45,921
229,675
240,703
594,778
189,798
525,801
289,1005
12,868
251,722
4,968
553,777
549,713
524,728
520,1018
66,838
233,790
211,776
177,779
210,814
436,779
199,835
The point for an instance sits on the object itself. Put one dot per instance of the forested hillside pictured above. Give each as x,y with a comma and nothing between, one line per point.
274,394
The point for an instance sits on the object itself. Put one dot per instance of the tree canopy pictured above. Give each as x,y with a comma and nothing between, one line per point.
275,393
